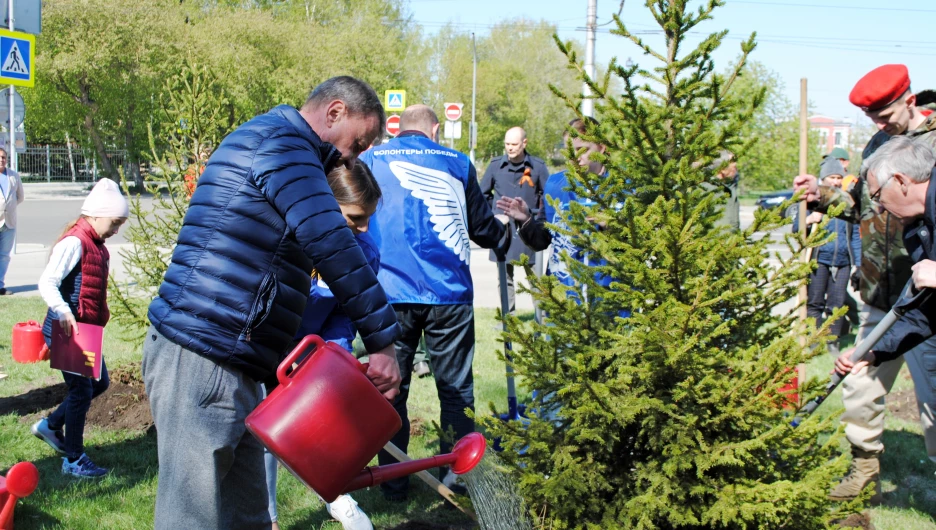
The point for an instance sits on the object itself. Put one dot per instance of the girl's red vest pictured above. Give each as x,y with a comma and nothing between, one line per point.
95,260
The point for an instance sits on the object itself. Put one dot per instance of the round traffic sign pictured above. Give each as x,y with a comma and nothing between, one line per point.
393,125
453,111
19,108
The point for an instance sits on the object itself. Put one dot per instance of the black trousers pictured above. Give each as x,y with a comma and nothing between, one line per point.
450,336
826,293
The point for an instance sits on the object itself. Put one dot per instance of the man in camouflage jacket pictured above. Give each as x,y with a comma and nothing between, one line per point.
884,95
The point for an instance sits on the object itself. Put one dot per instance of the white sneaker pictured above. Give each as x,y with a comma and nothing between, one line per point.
345,510
55,439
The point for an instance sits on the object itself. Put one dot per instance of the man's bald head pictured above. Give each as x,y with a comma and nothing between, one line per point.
515,133
515,144
420,118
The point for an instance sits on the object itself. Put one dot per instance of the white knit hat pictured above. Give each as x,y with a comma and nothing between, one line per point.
105,200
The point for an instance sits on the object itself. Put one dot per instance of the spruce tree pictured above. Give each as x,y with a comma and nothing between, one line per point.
192,119
673,417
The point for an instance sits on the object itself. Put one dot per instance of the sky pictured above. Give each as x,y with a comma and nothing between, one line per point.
831,43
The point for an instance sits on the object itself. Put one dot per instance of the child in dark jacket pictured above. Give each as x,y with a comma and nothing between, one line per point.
358,194
74,286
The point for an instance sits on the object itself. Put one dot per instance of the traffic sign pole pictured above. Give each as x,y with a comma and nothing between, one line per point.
11,155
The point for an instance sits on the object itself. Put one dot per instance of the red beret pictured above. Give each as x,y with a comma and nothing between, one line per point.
880,87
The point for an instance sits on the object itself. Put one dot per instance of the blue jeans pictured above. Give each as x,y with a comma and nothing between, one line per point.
450,337
7,236
826,293
72,412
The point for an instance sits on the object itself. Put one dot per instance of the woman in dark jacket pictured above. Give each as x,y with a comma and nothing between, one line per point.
836,260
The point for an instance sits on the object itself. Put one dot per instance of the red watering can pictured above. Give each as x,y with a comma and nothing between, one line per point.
27,342
19,482
326,421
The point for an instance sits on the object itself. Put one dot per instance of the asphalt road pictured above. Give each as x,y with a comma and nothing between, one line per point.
43,215
39,222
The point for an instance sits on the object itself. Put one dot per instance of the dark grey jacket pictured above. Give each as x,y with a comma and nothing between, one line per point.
502,179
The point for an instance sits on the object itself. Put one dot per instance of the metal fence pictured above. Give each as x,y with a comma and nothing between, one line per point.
60,163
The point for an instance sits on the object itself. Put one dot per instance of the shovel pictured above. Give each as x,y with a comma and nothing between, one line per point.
514,411
908,301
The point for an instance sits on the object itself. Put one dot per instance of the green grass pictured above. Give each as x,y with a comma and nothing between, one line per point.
125,499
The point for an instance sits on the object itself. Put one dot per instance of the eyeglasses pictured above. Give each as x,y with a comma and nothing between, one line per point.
876,196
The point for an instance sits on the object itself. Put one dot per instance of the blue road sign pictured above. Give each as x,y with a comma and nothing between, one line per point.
16,58
395,100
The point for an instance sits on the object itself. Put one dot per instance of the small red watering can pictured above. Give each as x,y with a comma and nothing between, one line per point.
18,483
27,342
326,421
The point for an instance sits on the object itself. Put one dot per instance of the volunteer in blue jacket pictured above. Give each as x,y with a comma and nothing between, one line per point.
432,206
261,219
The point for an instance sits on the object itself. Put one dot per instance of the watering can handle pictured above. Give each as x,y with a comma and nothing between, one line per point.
294,355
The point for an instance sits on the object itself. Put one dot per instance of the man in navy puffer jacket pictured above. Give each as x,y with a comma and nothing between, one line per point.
261,218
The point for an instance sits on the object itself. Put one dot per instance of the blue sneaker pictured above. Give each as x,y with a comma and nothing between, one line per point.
83,467
55,439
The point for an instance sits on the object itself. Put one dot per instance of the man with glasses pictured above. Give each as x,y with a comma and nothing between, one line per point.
885,97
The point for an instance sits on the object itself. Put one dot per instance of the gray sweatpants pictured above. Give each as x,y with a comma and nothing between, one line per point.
211,472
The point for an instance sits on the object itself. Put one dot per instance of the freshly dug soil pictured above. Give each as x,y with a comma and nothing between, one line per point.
857,520
903,404
124,405
417,427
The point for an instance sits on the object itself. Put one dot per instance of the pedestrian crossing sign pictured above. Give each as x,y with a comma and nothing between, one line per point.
16,58
395,100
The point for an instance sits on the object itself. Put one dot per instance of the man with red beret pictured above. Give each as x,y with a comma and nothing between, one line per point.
885,97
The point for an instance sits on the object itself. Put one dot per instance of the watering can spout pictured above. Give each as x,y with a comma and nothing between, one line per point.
466,454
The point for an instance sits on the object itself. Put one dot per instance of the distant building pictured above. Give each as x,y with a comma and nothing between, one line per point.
832,132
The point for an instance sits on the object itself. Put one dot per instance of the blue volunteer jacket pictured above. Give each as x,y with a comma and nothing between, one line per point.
323,314
432,206
261,218
557,188
844,250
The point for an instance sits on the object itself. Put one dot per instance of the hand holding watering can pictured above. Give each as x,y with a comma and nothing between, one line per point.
325,422
384,371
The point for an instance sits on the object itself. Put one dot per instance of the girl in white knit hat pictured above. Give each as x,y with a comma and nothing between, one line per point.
74,286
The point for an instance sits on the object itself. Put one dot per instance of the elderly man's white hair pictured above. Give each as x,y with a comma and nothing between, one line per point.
904,155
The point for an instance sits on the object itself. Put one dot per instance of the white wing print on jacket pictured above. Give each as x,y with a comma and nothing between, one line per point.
444,197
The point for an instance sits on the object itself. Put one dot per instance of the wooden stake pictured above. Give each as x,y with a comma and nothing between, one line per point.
433,482
803,169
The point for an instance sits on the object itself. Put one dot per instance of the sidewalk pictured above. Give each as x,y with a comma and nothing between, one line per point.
48,191
30,259
27,264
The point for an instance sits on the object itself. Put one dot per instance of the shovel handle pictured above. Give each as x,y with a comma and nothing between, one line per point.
909,300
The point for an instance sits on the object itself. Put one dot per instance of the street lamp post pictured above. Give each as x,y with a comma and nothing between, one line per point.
588,104
473,129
